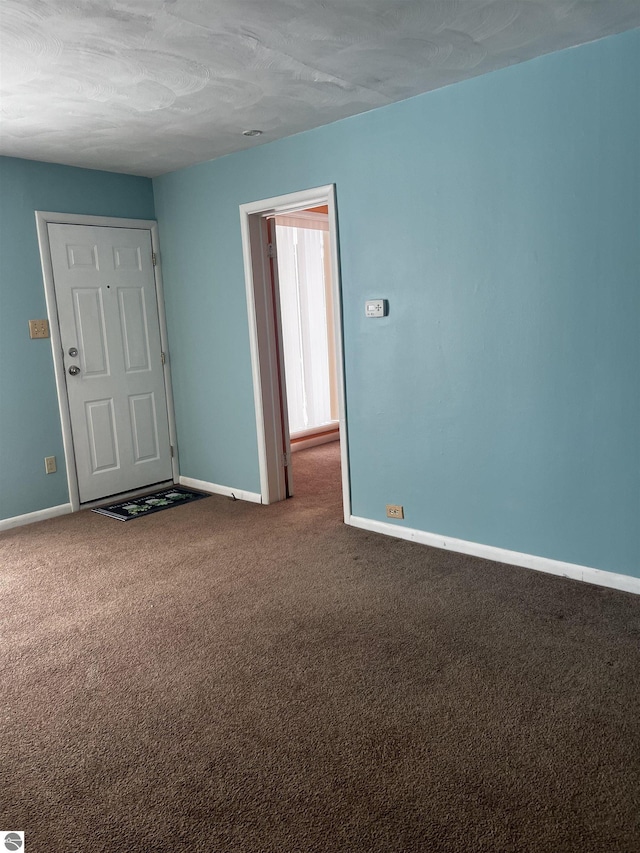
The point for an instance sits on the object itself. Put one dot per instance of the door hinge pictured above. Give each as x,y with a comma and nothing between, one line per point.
163,357
172,451
154,259
271,250
286,459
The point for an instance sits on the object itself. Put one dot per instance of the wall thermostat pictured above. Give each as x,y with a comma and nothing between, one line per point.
375,308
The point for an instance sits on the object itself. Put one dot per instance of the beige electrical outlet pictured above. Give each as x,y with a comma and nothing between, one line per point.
38,328
395,511
50,464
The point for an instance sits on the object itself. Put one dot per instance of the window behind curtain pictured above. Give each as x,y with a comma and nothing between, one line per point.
305,307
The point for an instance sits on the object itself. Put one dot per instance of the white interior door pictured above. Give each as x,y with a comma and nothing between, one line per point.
110,334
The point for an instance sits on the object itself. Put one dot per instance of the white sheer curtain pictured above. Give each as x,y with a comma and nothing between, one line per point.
305,307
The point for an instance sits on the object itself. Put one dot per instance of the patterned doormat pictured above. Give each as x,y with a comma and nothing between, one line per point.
147,504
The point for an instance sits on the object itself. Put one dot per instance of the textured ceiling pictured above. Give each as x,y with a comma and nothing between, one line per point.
145,86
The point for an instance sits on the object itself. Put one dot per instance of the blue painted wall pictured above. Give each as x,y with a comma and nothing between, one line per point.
29,416
501,219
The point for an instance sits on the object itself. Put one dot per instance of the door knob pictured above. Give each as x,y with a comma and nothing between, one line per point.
74,370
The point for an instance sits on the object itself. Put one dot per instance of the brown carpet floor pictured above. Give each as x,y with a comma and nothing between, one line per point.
226,677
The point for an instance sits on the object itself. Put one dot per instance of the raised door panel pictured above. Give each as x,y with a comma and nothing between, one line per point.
144,427
103,439
91,332
134,327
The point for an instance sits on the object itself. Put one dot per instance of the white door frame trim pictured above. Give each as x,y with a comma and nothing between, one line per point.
265,385
43,218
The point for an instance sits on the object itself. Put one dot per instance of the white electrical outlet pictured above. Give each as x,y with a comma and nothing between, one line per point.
395,511
50,464
375,308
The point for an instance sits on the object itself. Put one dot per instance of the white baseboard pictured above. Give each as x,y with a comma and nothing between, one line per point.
330,426
203,486
30,517
627,583
312,441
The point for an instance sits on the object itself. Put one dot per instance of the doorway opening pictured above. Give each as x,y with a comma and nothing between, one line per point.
303,255
295,323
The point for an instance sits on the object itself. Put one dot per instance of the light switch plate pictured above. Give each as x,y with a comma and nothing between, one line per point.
375,308
38,328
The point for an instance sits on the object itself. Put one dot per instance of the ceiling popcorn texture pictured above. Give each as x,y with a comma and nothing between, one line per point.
149,87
